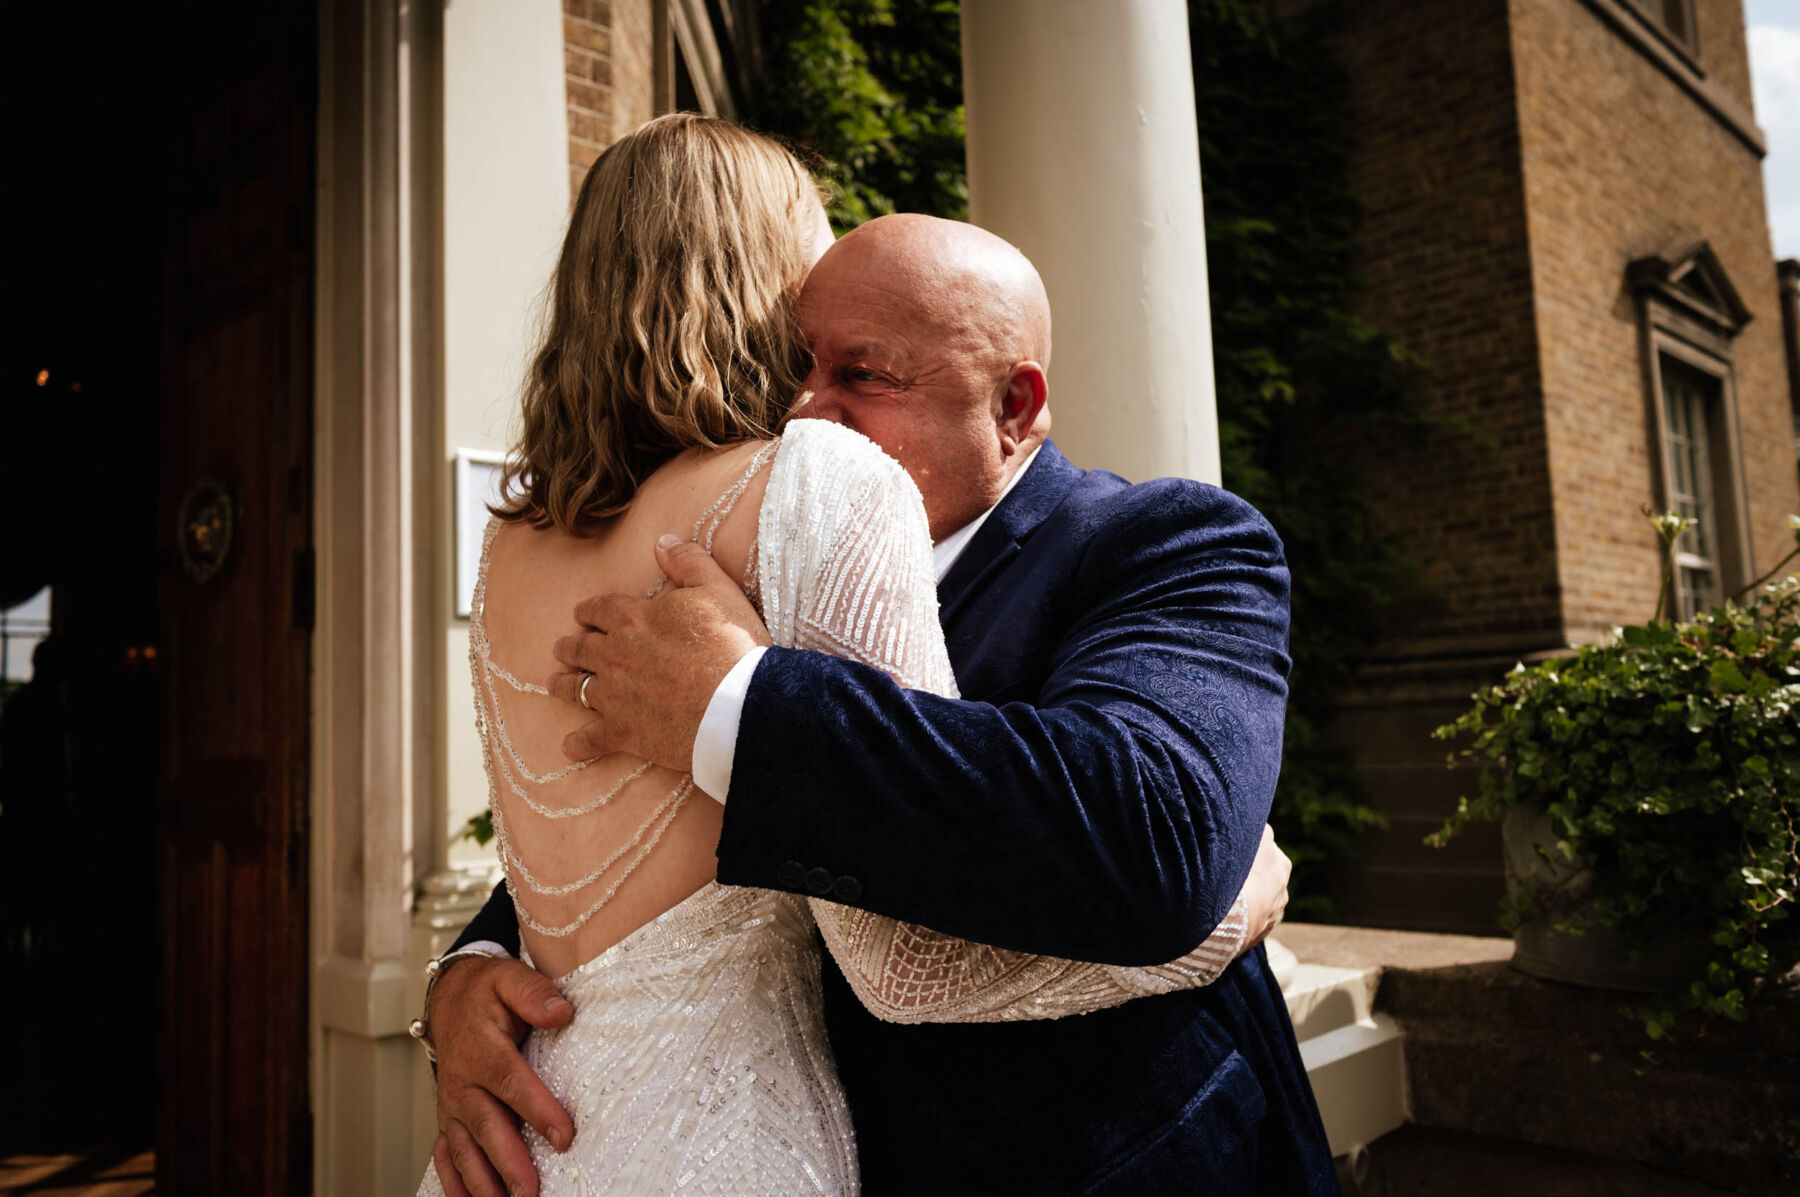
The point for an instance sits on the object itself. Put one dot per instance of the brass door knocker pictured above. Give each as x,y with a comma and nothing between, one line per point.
205,526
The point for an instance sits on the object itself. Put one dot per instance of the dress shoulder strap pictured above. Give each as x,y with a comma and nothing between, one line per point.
723,506
706,528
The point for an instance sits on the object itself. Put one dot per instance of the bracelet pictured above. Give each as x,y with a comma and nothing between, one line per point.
420,1027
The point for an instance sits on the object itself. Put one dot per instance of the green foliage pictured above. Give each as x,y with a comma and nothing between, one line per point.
479,828
1297,372
872,90
1668,760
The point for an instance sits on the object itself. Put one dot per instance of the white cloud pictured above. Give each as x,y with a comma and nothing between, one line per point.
1775,82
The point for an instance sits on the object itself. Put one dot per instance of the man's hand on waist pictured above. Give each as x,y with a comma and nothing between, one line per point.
480,1011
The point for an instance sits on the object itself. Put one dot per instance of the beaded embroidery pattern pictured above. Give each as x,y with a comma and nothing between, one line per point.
697,1059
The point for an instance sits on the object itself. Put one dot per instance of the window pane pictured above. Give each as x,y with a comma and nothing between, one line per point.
1674,16
21,629
1687,399
1700,536
1697,590
1675,411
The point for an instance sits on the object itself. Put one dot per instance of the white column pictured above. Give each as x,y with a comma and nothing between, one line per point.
1083,152
506,207
374,753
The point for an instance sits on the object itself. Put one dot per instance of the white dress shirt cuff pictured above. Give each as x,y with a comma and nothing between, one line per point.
716,744
488,947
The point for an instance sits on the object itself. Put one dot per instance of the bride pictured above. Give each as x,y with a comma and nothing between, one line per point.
662,398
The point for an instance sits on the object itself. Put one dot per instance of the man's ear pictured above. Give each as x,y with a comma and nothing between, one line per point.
1021,403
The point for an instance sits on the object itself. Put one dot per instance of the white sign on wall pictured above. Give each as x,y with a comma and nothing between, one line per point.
477,487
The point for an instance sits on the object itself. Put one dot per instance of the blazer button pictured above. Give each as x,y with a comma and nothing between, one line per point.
846,889
818,881
791,874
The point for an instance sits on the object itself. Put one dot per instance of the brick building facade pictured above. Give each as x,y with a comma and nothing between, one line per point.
625,61
1564,218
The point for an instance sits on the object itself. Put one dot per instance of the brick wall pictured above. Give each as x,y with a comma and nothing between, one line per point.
1512,157
608,73
1620,162
633,26
1447,270
1724,52
588,78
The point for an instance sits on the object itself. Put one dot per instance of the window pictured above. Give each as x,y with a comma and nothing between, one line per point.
1688,399
699,64
1690,313
22,628
1675,18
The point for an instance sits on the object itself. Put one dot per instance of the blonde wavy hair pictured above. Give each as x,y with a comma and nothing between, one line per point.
671,321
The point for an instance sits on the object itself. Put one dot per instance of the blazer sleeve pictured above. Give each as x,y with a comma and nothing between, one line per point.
1113,818
497,923
846,568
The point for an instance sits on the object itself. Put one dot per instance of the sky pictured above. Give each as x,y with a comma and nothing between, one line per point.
1774,28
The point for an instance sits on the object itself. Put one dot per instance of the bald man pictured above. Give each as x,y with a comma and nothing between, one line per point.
1098,793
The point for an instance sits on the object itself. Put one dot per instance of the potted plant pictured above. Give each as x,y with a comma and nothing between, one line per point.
1649,793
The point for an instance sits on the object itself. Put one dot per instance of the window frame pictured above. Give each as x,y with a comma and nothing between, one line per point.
1651,13
692,68
1690,312
19,637
1670,337
1702,494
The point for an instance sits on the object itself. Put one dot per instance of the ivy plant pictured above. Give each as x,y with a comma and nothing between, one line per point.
479,828
871,92
1667,760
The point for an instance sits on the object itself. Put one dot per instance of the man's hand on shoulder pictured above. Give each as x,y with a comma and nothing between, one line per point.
481,1010
656,662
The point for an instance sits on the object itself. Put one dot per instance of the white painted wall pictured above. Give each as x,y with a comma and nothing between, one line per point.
505,208
1083,152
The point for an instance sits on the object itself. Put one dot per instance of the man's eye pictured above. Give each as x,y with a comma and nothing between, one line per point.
861,375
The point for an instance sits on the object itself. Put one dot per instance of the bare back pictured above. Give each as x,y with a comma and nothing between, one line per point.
534,579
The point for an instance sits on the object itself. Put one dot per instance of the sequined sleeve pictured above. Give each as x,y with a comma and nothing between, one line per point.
845,568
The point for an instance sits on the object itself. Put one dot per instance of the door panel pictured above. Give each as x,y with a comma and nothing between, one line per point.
235,461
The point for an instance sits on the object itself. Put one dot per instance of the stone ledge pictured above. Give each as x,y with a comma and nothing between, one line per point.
1371,948
1493,1052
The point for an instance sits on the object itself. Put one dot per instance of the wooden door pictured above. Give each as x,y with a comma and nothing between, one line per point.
235,594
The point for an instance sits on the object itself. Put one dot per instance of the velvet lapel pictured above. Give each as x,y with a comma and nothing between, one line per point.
1038,493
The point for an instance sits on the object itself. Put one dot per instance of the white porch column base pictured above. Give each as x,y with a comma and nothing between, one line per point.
1353,1056
1083,152
1358,1075
369,1074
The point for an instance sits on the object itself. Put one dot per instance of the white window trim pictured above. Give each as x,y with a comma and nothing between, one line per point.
1731,508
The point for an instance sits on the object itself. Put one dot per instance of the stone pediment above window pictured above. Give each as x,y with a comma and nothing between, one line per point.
1690,279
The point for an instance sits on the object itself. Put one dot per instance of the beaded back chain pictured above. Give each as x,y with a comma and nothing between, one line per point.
707,526
509,765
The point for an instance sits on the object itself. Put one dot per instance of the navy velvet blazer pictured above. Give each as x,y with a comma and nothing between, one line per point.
1098,793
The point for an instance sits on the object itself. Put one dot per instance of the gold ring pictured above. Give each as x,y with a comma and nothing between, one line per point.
582,693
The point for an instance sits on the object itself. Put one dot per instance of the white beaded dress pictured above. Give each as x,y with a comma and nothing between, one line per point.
697,1061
